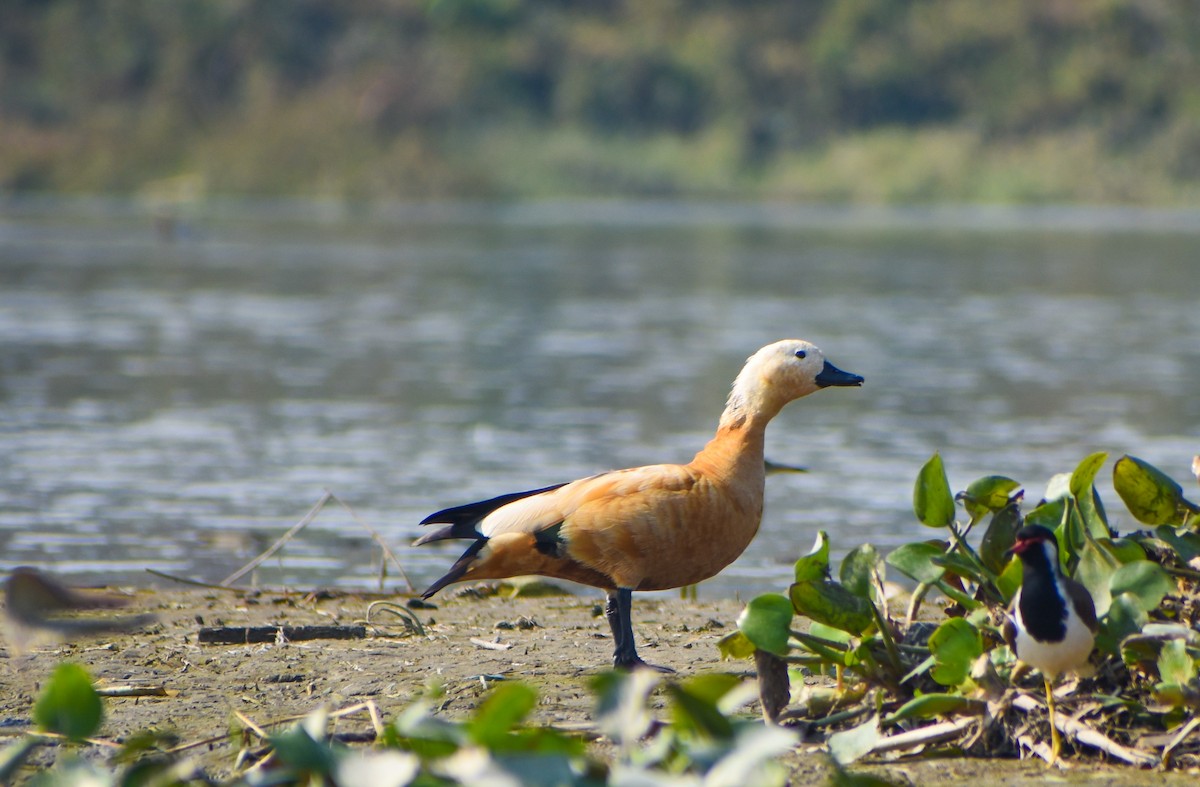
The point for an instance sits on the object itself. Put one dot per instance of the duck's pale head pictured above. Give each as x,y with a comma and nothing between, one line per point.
783,371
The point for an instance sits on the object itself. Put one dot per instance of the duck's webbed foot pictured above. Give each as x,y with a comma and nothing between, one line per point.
617,610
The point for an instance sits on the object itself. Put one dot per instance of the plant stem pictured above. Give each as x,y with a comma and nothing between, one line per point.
965,548
886,632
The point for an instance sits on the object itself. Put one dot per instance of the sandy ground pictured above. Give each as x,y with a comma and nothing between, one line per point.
556,643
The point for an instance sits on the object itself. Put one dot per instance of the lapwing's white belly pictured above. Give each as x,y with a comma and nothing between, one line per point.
1054,658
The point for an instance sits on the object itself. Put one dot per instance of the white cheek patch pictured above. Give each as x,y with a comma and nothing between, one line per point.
1051,551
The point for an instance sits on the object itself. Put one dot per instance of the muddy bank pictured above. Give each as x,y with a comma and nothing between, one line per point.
556,643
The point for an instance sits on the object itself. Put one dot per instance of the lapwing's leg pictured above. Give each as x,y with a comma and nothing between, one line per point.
1055,740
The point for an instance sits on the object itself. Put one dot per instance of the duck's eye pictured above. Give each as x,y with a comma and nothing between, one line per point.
801,354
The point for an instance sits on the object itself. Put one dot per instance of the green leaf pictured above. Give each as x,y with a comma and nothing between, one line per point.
815,565
299,750
753,757
1177,695
829,632
69,704
621,711
959,565
735,645
855,743
1125,616
77,772
1009,581
954,646
694,705
833,605
1095,572
1049,514
1085,473
858,570
999,537
1150,494
13,756
915,560
1125,550
713,686
1146,581
933,503
1091,510
1175,665
767,622
928,706
377,768
504,708
990,493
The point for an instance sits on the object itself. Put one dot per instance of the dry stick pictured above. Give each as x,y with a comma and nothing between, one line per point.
271,550
387,552
197,583
369,705
59,738
245,635
483,643
935,733
1089,735
133,691
1169,749
1040,748
244,719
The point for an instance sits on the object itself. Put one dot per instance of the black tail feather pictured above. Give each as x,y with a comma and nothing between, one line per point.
463,519
448,531
458,569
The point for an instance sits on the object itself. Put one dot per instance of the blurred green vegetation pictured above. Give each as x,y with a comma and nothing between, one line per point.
839,100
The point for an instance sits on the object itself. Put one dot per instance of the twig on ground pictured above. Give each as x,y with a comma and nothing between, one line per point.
1169,749
244,635
197,583
271,550
1089,735
134,691
244,719
483,643
923,736
1039,748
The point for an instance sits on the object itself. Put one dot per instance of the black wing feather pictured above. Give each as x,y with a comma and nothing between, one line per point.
461,521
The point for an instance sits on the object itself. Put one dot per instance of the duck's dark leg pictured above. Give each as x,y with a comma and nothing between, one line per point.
617,609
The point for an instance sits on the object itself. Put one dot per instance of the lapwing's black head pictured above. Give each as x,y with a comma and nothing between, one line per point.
1037,547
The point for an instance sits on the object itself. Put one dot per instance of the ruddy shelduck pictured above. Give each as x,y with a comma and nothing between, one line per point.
645,528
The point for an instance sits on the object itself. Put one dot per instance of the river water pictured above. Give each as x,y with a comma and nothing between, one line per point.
177,390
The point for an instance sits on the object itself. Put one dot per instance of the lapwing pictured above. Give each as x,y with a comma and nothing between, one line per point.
1051,623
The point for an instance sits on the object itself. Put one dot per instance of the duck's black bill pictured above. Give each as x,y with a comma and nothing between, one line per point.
833,376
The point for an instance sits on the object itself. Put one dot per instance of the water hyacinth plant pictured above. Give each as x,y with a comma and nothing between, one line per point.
904,669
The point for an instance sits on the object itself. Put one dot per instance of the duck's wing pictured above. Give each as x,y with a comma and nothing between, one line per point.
536,532
610,497
463,521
